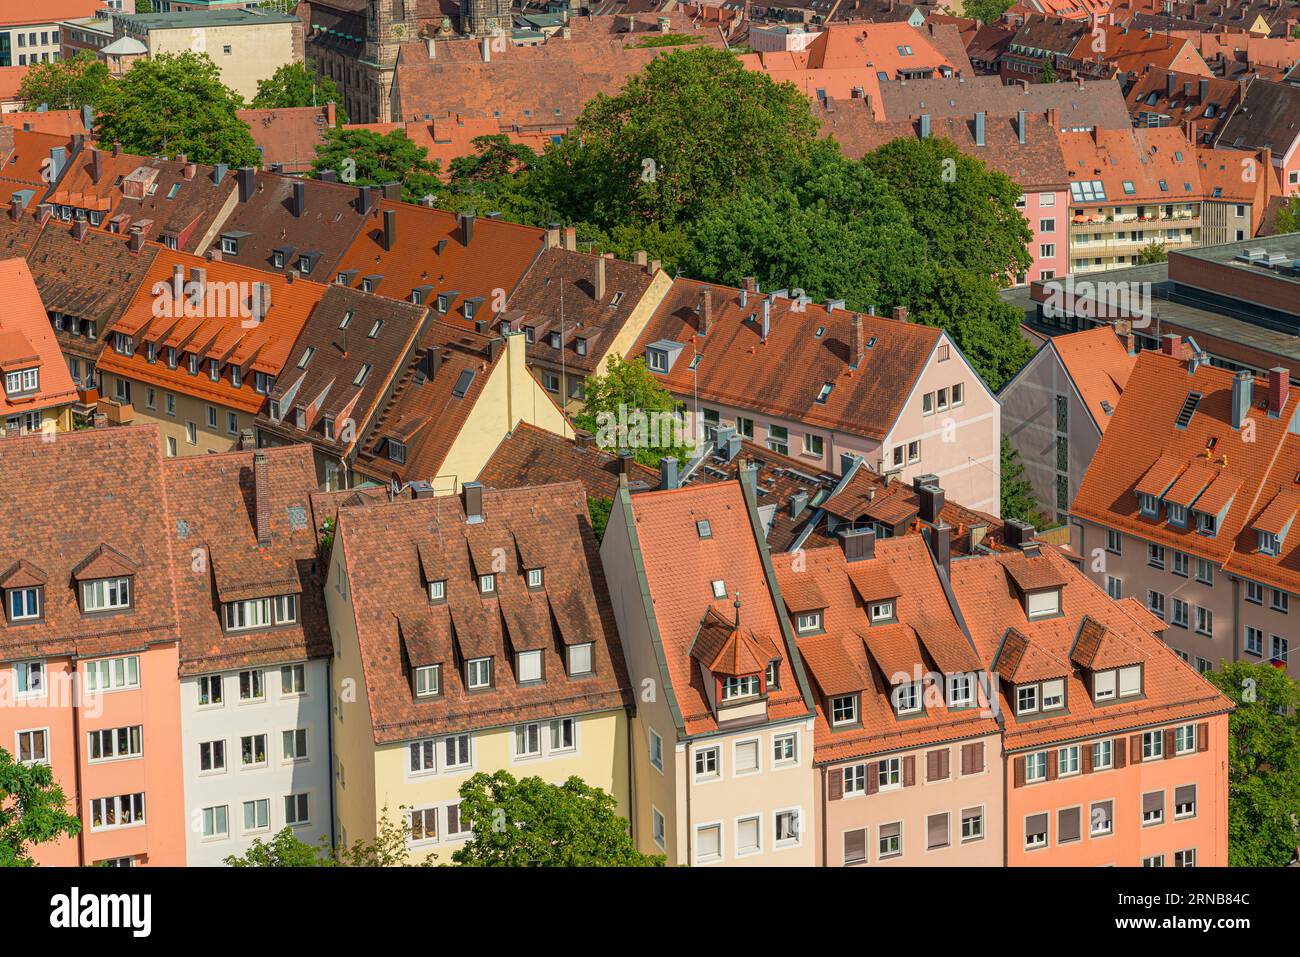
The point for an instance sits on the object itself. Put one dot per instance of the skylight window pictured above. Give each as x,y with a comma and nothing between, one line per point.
825,392
462,385
374,330
346,320
306,357
1129,188
703,528
1088,191
362,374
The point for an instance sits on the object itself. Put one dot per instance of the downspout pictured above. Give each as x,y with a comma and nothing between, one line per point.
76,761
690,841
329,736
825,860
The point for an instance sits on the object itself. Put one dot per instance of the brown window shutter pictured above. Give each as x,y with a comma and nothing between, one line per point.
909,770
977,754
1051,764
966,758
932,765
1085,758
944,758
1135,748
1169,743
1117,746
1203,736
1020,772
873,777
835,784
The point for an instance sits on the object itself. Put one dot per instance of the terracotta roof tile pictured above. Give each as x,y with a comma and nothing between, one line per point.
529,455
27,341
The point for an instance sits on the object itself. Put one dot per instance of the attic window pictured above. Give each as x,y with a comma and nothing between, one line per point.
442,304
396,451
695,361
463,382
657,360
581,660
300,417
428,681
618,297
1164,187
346,320
1206,524
1269,543
438,592
374,329
1148,505
825,392
747,686
306,357
1129,188
703,528
22,382
719,588
907,698
536,578
106,594
581,346
23,604
361,375
1042,604
487,584
882,611
808,622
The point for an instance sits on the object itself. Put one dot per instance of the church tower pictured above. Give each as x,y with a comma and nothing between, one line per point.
389,24
485,18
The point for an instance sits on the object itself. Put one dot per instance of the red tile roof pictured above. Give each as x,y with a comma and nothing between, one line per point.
855,656
27,341
1099,365
680,567
1093,628
288,136
784,375
393,549
533,456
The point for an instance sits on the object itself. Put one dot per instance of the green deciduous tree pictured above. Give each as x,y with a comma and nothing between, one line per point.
33,810
65,84
387,849
296,84
1017,494
965,211
284,850
1263,764
599,509
368,158
989,11
1288,215
530,823
1153,253
1048,74
627,408
172,104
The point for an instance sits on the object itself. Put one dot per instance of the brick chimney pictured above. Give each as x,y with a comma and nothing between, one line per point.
857,342
900,314
706,312
262,498
552,235
600,279
1171,344
96,165
571,238
1279,384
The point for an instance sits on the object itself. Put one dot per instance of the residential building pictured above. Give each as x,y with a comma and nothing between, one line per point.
1238,187
1269,118
884,389
478,635
722,740
254,652
287,138
247,44
1158,97
38,391
90,642
1115,751
1080,106
1130,188
199,347
1056,409
578,310
451,407
529,455
906,748
1191,514
342,372
29,31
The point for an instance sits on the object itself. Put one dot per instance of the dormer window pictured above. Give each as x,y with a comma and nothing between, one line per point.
171,357
1130,681
122,344
882,611
438,592
1269,543
1148,505
1027,699
428,681
907,698
214,370
961,690
193,363
1053,694
397,451
773,675
1177,514
844,710
300,417
1206,524
106,594
487,584
478,673
746,686
656,360
808,622
535,579
581,346
23,604
1103,686
1042,604
553,340
581,660
528,666
22,382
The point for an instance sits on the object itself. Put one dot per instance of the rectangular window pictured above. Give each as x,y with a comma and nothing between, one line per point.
212,756
581,659
1188,858
706,763
528,740
34,747
748,836
122,810
209,691
972,824
1035,831
1184,801
293,679
106,594
1153,745
295,744
109,743
708,843
1102,756
746,757
30,678
246,615
296,810
1067,760
844,709
890,843
1153,808
24,604
528,666
251,685
855,779
257,814
252,750
855,846
112,674
478,673
1101,819
1036,767
787,828
889,773
428,681
936,831
656,750
215,823
785,749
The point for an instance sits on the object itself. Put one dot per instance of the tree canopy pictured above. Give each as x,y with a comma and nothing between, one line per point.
530,823
33,810
172,104
296,84
368,158
627,408
65,84
1263,764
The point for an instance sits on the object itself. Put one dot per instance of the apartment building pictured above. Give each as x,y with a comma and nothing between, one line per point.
452,406
343,370
897,394
90,643
29,31
1115,751
907,751
254,652
1269,118
722,740
578,309
1056,409
86,278
1192,512
471,633
39,394
199,347
1130,188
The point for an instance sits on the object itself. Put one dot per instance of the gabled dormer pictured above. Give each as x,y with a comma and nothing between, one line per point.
105,581
735,664
1038,582
1273,525
1113,669
807,606
427,649
24,593
1035,680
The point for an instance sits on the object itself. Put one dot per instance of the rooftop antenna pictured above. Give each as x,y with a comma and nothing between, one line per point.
737,605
